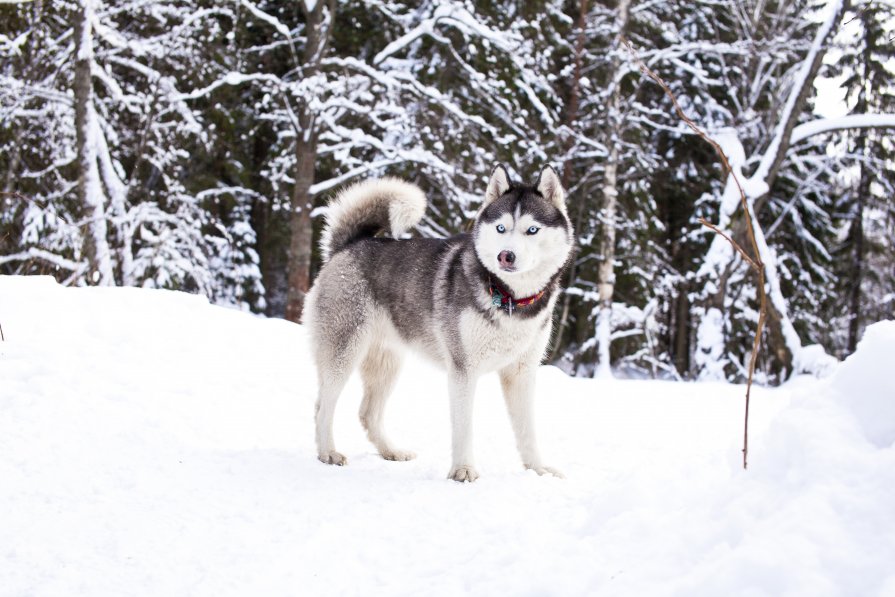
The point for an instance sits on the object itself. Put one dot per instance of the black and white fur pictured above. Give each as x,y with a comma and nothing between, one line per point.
377,296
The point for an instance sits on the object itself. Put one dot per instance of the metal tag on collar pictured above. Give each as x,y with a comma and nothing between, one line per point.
510,305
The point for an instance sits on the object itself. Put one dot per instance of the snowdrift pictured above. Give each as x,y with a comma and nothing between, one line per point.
153,444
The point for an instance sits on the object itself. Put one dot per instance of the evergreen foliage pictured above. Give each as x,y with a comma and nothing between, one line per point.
222,128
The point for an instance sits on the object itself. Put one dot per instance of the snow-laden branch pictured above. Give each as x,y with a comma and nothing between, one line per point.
11,84
275,23
326,185
231,78
759,183
852,121
14,46
467,24
773,155
451,15
267,18
398,157
33,253
229,190
444,101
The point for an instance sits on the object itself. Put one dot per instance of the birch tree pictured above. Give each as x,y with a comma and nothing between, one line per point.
91,194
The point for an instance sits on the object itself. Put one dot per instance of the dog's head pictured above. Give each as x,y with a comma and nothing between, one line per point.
522,232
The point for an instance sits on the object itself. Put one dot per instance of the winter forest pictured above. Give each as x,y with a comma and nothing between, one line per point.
193,145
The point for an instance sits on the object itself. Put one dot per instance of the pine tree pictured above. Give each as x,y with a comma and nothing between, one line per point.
123,149
864,257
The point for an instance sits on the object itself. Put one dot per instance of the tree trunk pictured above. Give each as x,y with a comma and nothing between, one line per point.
571,120
301,228
9,185
606,268
856,230
856,273
682,330
90,190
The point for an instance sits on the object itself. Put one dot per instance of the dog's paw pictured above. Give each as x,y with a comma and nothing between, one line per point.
332,458
463,473
546,470
398,455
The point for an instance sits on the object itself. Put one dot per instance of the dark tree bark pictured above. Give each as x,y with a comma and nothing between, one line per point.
571,120
856,232
318,25
682,330
301,228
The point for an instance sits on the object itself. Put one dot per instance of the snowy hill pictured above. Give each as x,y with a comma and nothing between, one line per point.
152,444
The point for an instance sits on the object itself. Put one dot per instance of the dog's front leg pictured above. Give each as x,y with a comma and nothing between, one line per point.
518,382
461,389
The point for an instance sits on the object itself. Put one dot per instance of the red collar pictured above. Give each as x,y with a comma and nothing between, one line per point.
503,298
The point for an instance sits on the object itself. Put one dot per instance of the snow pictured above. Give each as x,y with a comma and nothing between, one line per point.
729,140
153,444
710,343
864,384
814,360
604,337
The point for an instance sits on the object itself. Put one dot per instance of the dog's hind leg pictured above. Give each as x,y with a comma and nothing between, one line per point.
379,370
326,407
334,366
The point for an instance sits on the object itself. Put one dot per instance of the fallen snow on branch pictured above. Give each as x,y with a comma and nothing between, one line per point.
852,121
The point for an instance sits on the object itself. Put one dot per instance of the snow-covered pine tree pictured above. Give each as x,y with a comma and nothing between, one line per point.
39,226
120,190
864,265
720,342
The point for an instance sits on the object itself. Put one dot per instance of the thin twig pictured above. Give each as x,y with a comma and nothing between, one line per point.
756,264
733,243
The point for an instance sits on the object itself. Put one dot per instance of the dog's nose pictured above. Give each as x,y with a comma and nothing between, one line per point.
506,258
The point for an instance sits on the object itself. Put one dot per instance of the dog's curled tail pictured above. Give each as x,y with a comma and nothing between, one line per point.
365,208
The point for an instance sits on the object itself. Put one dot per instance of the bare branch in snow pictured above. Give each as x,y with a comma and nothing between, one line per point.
756,264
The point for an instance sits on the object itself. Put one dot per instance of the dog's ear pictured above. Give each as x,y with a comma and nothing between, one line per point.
497,185
550,187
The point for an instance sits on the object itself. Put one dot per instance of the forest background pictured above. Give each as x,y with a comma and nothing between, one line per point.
193,145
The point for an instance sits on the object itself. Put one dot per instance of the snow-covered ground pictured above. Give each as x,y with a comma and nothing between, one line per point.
152,444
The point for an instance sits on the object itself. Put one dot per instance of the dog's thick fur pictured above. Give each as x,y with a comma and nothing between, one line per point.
377,296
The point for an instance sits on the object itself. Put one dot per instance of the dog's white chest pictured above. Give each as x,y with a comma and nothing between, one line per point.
489,345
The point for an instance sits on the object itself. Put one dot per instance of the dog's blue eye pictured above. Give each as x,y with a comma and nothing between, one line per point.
501,228
533,230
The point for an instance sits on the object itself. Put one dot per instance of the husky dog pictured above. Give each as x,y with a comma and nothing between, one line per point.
473,303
